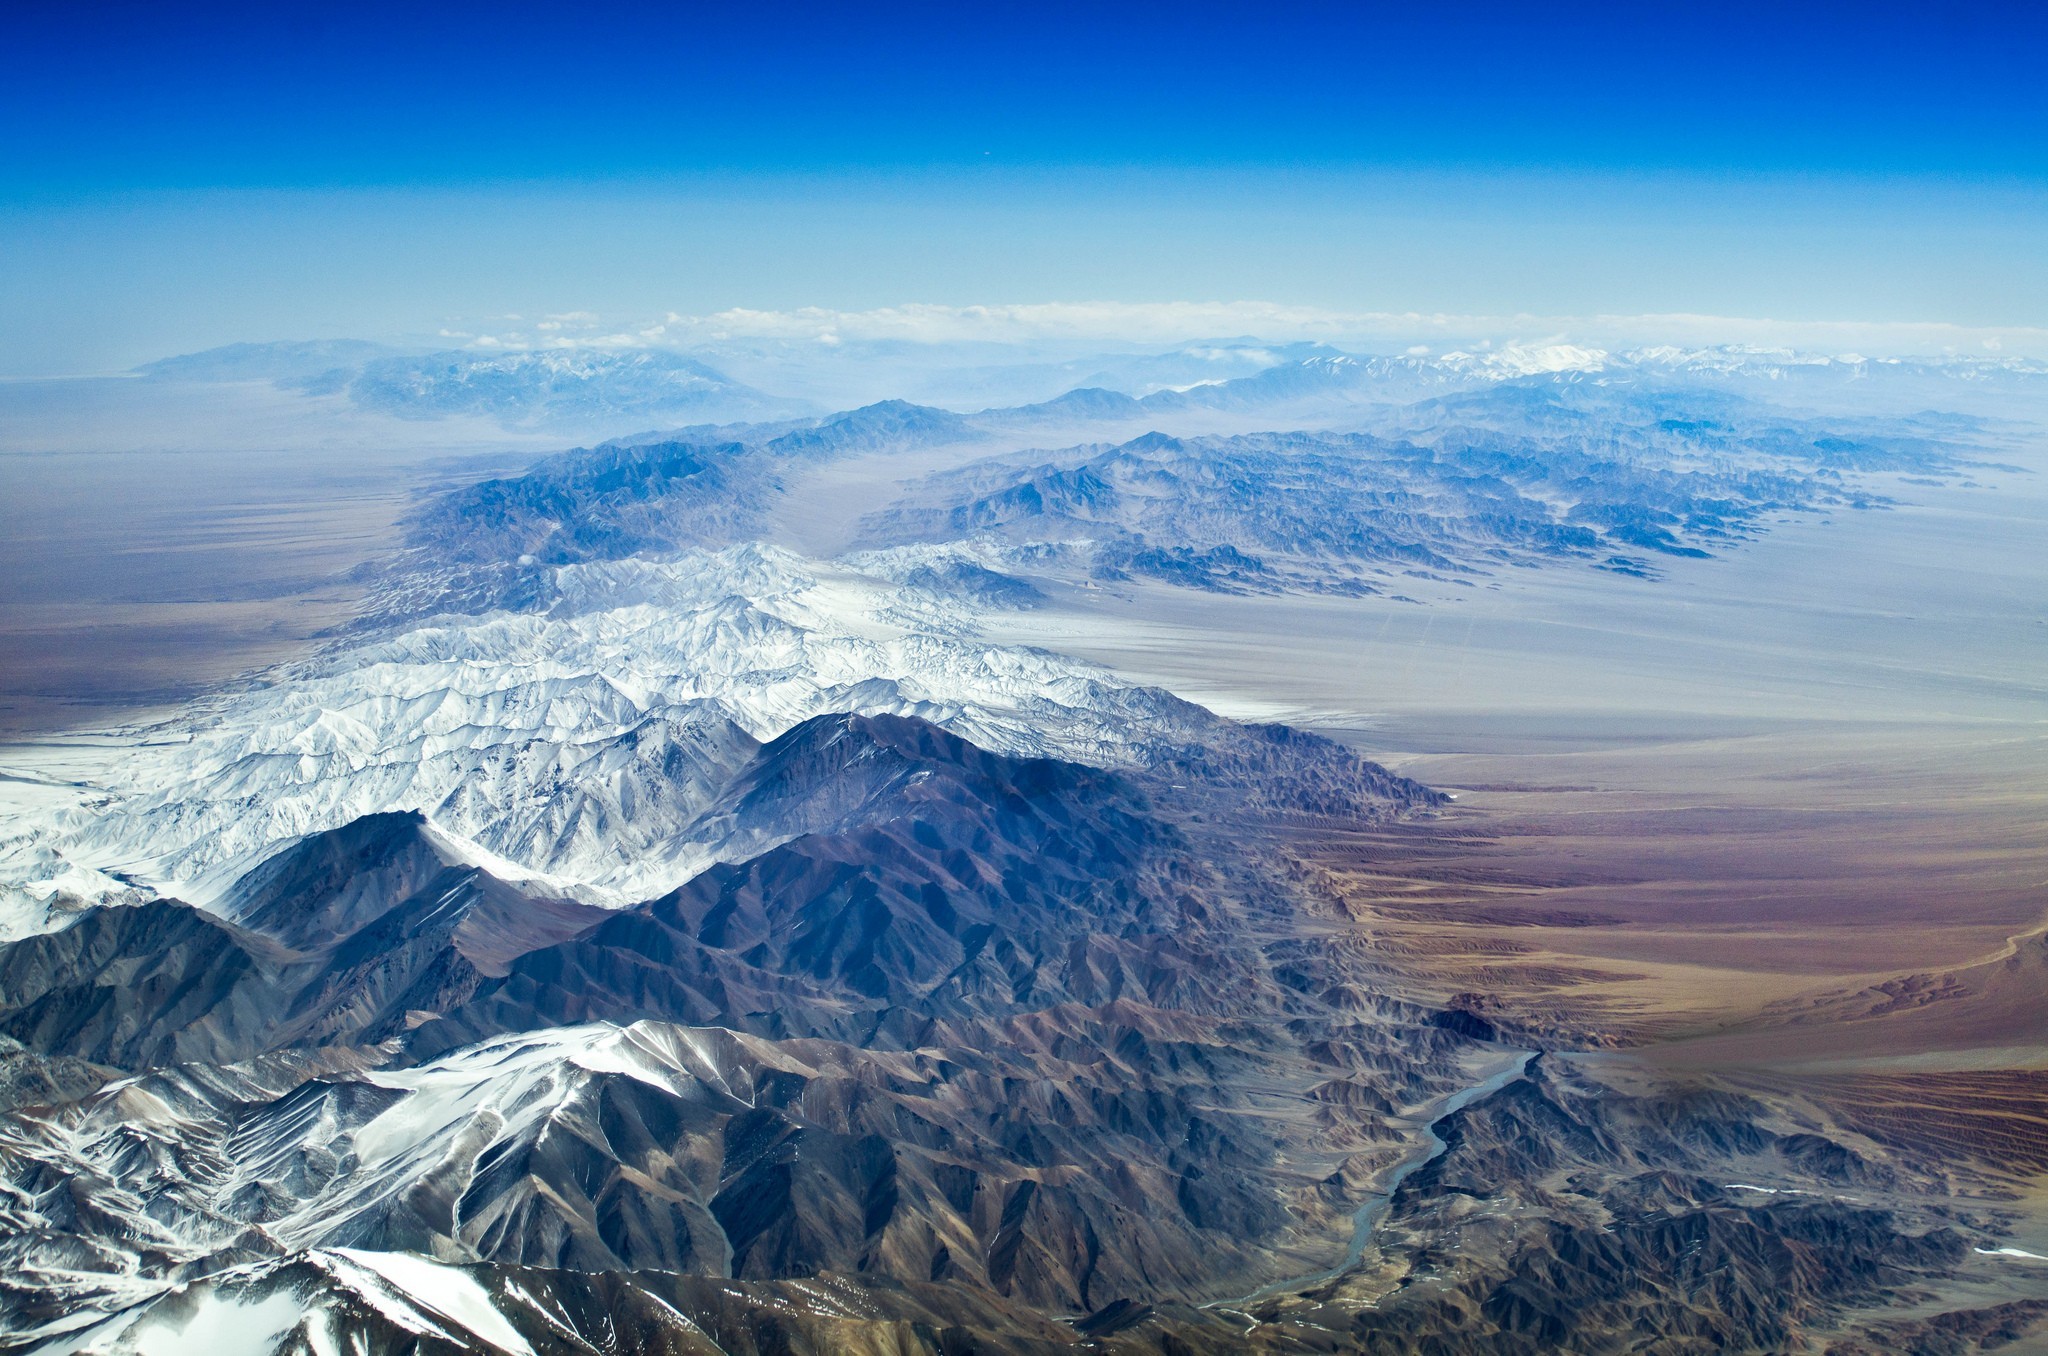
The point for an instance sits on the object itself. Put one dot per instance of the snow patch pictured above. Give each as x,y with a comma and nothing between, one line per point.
444,1291
208,1323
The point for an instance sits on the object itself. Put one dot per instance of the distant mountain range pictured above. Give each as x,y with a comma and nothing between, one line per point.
584,388
1554,469
573,388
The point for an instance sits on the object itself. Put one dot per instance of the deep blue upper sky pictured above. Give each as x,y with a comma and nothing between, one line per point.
173,176
101,96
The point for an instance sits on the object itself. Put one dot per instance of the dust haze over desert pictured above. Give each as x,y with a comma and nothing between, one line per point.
1024,683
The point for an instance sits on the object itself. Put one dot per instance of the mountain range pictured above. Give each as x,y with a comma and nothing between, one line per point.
641,929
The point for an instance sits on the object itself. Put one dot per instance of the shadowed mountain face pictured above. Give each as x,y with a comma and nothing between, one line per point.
600,505
1017,1173
157,982
1623,474
1568,1213
891,425
919,874
932,884
334,885
940,880
494,544
1507,477
332,940
624,498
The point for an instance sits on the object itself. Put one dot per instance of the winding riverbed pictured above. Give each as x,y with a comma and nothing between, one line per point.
1365,1220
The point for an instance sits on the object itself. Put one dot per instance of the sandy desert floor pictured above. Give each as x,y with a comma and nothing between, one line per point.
162,538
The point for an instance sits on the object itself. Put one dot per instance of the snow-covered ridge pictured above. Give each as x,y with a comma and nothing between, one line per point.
512,1088
1515,360
581,745
1526,360
1765,362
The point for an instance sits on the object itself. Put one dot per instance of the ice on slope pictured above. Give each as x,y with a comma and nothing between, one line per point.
437,1290
1527,360
579,744
210,1324
518,1082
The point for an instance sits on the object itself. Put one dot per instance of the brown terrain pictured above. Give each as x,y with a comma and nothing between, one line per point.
1846,927
160,541
1836,912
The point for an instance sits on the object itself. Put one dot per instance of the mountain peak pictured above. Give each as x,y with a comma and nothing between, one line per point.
886,423
330,884
1154,441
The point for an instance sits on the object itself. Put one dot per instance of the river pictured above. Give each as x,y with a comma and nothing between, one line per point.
1365,1220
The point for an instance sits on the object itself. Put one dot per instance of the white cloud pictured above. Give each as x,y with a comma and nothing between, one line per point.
1111,323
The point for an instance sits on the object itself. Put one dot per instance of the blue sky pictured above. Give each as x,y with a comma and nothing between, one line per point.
173,175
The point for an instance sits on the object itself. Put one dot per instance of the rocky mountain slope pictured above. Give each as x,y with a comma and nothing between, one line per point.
1619,465
985,1041
334,939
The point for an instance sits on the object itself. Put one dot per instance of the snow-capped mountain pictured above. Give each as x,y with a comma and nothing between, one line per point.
270,1164
590,663
1326,384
